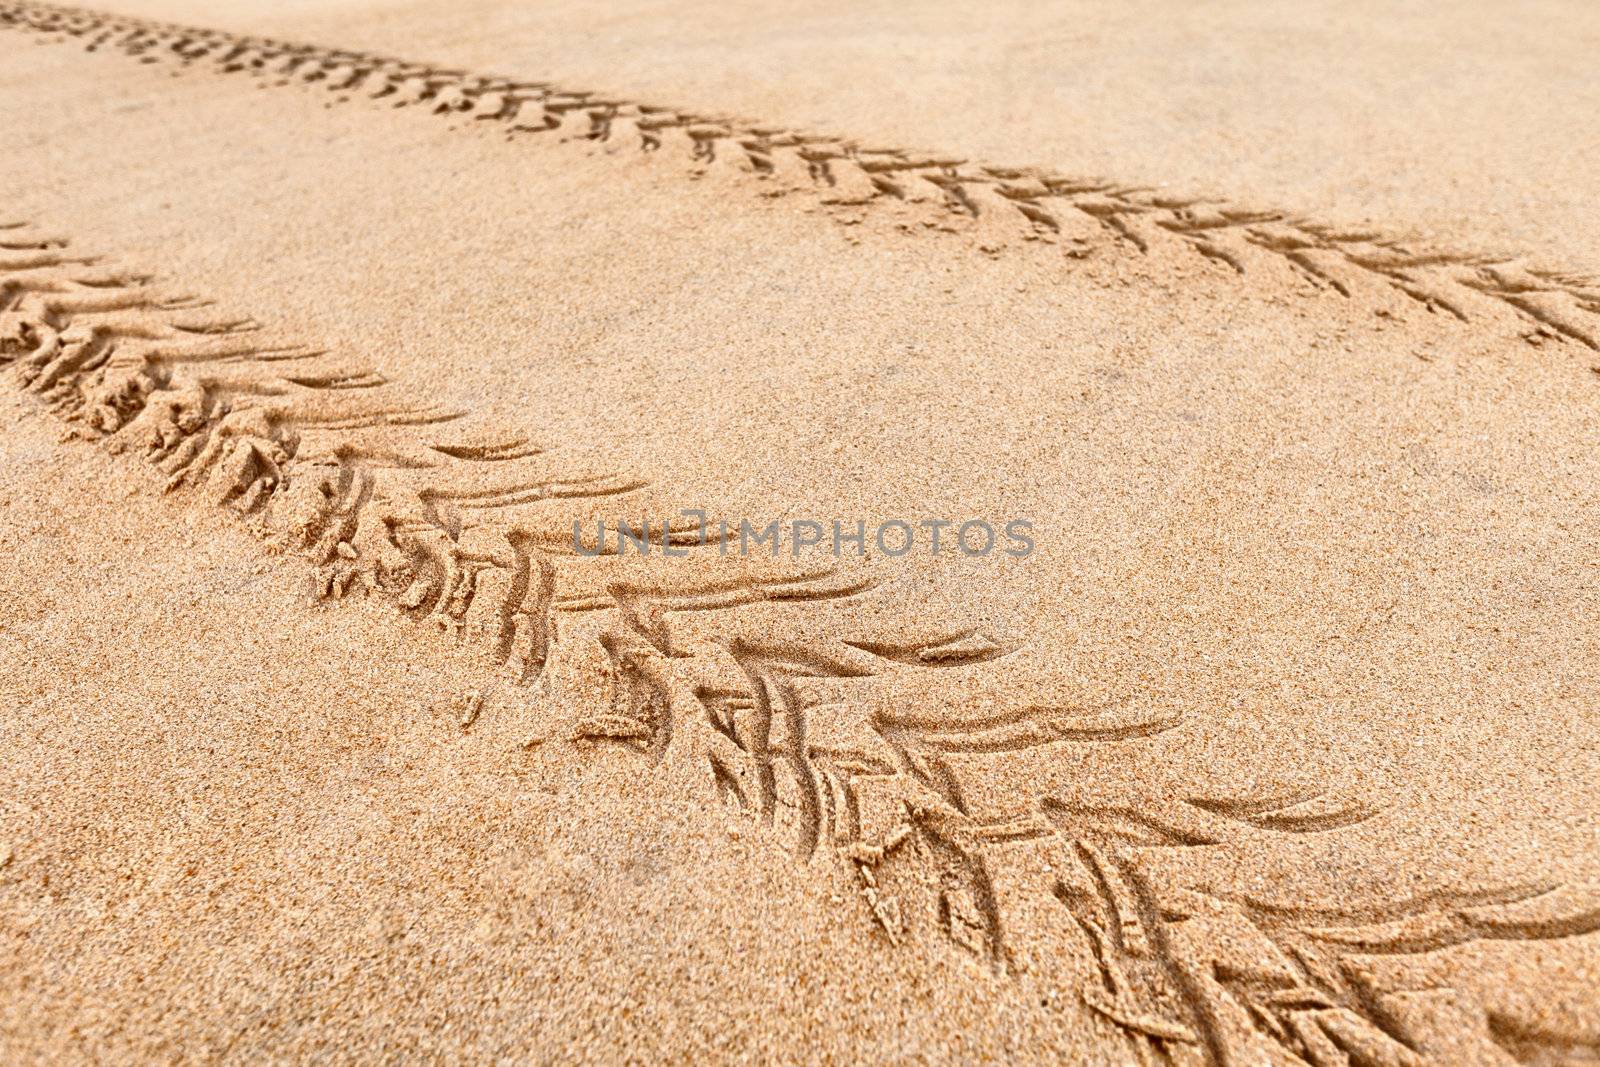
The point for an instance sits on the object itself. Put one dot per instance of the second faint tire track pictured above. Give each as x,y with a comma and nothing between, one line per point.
991,205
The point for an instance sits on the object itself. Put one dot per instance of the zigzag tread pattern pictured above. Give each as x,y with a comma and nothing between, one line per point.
992,204
756,689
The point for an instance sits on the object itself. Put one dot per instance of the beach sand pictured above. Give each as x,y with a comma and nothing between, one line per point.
1276,745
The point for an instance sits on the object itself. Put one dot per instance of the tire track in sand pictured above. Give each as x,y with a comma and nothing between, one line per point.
756,686
991,205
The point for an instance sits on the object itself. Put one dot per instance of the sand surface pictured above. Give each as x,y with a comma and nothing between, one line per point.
1277,747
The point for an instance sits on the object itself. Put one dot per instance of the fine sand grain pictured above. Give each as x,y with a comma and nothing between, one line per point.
328,741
